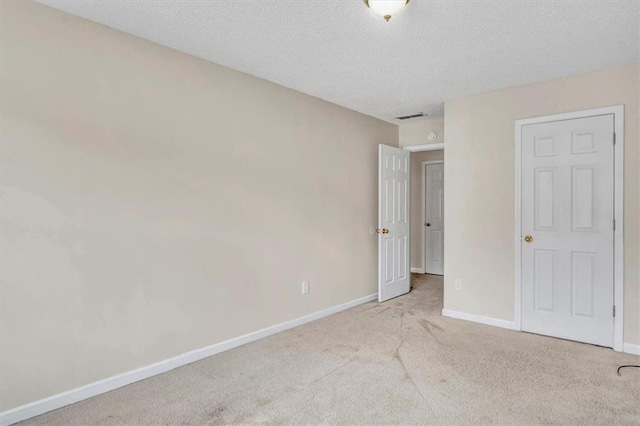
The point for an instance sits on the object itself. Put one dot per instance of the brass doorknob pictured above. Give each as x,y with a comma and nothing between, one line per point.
382,231
528,238
427,224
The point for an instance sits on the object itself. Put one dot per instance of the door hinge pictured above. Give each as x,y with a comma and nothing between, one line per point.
614,224
614,138
614,310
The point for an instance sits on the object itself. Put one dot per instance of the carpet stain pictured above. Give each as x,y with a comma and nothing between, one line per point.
216,413
427,326
407,374
375,305
348,348
383,310
263,401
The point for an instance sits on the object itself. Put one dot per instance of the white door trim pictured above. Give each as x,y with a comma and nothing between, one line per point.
425,147
424,212
618,250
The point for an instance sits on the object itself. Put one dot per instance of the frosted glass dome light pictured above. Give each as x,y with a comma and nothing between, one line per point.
386,8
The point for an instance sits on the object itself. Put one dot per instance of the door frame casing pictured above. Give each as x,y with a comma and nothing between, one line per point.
424,212
618,208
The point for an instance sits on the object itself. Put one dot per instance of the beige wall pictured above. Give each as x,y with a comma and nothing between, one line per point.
479,186
414,132
417,247
154,203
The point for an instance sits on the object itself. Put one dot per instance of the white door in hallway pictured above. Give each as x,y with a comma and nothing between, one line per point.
434,218
394,278
568,230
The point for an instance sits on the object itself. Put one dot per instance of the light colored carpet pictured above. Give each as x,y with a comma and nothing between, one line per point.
396,362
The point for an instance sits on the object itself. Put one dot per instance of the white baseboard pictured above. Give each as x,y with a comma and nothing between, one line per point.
628,347
417,270
480,319
631,349
54,402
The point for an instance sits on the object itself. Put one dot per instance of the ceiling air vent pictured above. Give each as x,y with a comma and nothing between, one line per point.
406,117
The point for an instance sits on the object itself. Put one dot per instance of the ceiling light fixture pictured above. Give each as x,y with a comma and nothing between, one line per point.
386,8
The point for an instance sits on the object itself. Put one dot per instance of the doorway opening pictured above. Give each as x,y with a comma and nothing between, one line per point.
427,212
401,213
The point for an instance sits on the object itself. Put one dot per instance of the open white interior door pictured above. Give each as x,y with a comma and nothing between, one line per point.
394,278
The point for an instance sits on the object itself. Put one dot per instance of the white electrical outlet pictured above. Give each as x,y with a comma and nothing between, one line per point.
457,284
305,287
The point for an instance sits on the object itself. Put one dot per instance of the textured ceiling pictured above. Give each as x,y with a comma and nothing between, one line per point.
432,52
